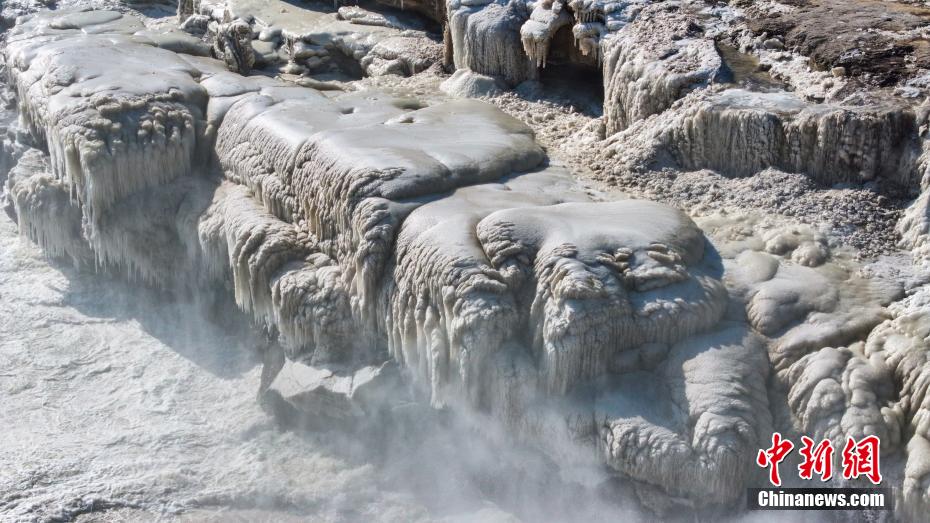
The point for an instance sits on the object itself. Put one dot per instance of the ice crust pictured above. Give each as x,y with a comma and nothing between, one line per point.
669,98
362,227
652,62
739,133
303,41
471,26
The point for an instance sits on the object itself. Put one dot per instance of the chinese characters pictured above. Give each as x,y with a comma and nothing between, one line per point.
859,458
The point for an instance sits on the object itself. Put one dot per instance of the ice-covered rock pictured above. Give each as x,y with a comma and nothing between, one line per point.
691,425
837,393
174,40
365,230
44,210
357,15
617,295
914,226
465,83
652,62
110,131
401,55
486,39
545,19
321,41
739,132
232,43
836,384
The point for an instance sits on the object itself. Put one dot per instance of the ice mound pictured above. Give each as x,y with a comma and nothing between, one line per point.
900,344
356,165
608,277
692,423
465,83
110,131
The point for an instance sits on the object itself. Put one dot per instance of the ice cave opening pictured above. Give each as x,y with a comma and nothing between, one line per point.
571,74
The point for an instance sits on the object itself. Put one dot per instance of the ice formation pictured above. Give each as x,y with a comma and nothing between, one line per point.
44,210
335,182
389,238
471,26
357,227
545,19
233,43
740,132
465,83
900,344
652,62
708,409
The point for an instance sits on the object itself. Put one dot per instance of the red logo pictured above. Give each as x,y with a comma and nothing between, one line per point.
860,458
819,460
774,455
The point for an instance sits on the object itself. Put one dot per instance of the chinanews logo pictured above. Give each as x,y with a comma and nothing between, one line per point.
858,460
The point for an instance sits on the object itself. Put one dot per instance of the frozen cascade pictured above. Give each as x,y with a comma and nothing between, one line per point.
739,132
108,136
44,209
473,47
319,189
361,227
